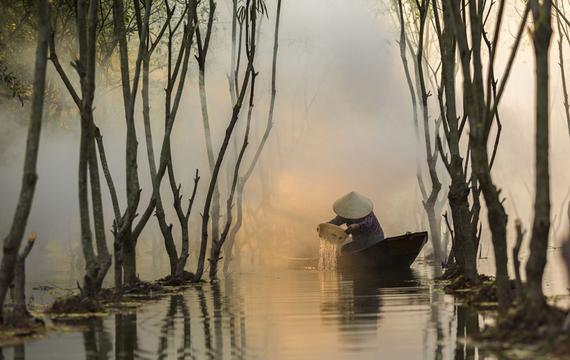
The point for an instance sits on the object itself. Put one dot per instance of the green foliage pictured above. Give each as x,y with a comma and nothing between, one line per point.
19,89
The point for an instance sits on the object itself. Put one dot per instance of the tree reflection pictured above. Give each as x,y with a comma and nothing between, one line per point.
20,352
200,337
126,336
205,317
177,305
97,341
467,326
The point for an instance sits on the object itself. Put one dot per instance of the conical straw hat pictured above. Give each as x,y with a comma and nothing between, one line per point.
353,206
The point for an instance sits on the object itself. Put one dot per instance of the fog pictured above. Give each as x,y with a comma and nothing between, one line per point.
343,122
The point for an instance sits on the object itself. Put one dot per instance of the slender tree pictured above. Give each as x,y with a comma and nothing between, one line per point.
13,240
418,90
203,45
216,247
242,181
174,77
566,256
464,250
563,24
126,233
124,245
20,312
250,10
481,103
178,263
97,258
541,35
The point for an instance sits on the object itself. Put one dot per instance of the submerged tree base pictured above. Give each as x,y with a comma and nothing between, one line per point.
481,294
75,304
185,279
540,332
522,325
537,331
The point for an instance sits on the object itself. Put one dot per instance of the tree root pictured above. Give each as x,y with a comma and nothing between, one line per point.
185,279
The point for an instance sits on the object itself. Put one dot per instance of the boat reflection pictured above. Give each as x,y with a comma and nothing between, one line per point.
354,300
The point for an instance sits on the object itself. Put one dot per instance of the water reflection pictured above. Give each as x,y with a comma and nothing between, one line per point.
97,341
293,314
358,299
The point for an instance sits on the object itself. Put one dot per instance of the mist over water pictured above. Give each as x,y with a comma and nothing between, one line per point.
292,315
342,122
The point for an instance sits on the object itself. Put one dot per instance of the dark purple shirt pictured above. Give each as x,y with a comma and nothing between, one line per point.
365,230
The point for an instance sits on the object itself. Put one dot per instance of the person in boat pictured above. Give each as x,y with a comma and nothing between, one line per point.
356,212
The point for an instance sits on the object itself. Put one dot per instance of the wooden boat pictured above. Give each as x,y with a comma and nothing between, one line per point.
394,252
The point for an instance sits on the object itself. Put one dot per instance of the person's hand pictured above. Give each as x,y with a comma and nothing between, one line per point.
350,229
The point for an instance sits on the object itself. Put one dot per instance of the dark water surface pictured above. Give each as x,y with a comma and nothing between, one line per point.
288,314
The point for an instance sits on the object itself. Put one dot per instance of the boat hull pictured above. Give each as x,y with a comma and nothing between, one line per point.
394,252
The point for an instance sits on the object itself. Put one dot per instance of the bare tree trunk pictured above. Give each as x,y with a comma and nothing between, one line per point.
87,59
563,31
429,203
20,311
563,26
480,108
566,256
125,244
251,13
542,33
86,26
217,245
103,255
463,249
516,250
165,229
98,264
497,218
13,240
243,180
403,56
201,58
429,200
184,218
173,92
91,264
235,228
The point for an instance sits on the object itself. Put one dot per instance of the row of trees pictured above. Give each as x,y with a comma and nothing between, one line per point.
134,32
467,37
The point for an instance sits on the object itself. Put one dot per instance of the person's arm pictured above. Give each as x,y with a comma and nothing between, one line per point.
341,221
367,224
338,221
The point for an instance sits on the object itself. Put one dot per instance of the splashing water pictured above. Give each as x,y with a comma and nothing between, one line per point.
328,255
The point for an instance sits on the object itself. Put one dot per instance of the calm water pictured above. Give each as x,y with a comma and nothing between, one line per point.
289,314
